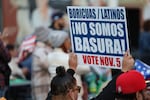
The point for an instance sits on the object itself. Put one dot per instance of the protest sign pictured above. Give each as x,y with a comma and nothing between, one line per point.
99,35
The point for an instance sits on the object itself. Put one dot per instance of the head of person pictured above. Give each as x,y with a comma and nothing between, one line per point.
147,90
64,86
130,86
60,39
58,21
42,34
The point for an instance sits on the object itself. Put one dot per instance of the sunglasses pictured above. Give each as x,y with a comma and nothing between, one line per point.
78,88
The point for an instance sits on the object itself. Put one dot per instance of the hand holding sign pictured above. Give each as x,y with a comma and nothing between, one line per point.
99,35
73,61
128,62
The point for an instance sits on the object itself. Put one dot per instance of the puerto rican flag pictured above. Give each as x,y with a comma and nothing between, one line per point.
143,68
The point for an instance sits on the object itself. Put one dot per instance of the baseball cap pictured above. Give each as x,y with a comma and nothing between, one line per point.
57,15
130,82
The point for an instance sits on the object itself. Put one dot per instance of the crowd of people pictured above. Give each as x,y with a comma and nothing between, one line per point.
128,84
43,56
38,56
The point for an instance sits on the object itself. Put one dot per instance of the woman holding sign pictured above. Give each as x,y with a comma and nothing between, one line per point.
108,93
60,41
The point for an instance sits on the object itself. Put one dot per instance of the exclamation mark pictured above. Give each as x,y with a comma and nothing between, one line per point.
123,46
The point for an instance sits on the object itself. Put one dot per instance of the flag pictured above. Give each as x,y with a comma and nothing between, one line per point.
28,44
143,68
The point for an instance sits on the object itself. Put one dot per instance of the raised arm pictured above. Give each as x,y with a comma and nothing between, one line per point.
128,62
73,63
108,92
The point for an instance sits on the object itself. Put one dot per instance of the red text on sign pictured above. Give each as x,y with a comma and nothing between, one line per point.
101,60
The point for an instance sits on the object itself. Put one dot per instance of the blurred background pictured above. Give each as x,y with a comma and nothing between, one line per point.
22,17
11,11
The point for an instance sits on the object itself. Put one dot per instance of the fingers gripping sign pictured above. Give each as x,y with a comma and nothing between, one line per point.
73,61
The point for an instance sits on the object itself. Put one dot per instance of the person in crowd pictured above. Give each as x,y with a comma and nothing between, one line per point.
72,67
40,73
61,44
127,64
130,86
110,89
17,72
58,27
126,85
64,86
144,42
147,90
58,21
5,70
41,16
41,33
26,63
25,54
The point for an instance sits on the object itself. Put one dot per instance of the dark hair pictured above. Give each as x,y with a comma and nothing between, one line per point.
10,47
146,26
131,96
62,82
120,96
57,15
